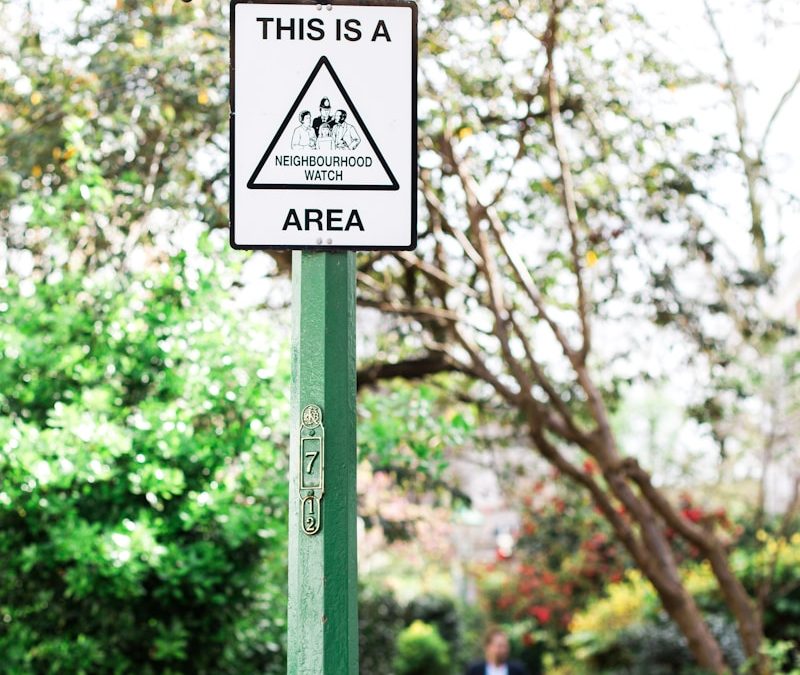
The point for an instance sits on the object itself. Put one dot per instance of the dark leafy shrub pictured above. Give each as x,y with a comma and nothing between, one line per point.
380,620
657,647
421,651
440,611
142,479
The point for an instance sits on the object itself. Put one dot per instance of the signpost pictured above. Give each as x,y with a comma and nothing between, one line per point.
324,162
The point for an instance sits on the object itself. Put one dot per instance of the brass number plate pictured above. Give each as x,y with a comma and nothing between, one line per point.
312,469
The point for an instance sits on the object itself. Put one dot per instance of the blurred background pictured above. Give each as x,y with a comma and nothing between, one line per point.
579,399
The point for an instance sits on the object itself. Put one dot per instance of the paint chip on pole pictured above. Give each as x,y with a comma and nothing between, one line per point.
323,125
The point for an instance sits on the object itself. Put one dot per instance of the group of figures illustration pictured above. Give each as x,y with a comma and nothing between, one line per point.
328,132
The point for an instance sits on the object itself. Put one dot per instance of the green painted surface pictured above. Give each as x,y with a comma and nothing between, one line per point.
323,627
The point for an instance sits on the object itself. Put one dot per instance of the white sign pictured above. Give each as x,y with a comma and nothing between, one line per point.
323,124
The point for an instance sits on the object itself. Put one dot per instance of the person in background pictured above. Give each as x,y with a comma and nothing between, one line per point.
496,650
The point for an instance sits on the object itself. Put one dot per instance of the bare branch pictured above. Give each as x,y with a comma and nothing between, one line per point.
437,208
622,528
410,369
411,310
524,127
751,166
567,182
776,113
369,282
565,425
482,370
497,301
526,281
435,273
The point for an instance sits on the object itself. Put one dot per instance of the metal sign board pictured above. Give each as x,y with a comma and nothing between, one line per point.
323,124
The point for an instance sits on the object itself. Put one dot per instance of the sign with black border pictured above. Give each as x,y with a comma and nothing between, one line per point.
323,119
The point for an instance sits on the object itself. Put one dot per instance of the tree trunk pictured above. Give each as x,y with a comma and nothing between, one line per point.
650,550
744,609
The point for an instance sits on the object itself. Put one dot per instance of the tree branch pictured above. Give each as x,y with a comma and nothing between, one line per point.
751,166
776,113
410,369
567,182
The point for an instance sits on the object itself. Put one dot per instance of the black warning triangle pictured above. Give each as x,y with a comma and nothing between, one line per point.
273,182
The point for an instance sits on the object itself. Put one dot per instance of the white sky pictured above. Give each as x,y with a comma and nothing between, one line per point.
766,70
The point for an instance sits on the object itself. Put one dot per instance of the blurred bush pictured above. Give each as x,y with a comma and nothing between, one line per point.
142,486
421,651
380,620
626,631
439,611
657,647
776,562
563,558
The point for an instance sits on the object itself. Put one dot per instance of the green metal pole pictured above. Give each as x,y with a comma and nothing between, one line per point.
323,610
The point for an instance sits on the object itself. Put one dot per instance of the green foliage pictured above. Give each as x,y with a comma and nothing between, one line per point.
657,647
112,124
421,651
774,561
455,623
625,630
439,611
380,620
142,489
783,657
416,440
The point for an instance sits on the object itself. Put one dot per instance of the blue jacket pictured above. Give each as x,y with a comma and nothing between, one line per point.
514,668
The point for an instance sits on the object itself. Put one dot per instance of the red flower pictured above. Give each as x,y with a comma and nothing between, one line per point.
693,514
505,602
527,640
540,612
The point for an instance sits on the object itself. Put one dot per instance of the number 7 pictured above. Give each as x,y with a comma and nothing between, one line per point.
313,455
